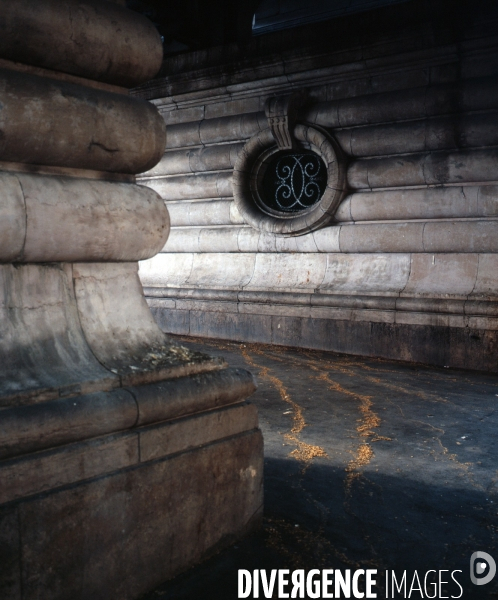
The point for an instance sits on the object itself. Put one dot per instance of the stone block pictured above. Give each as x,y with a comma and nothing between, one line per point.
207,305
172,320
286,310
178,213
177,398
234,107
183,115
464,166
181,435
173,162
121,47
211,158
486,283
179,187
12,218
89,128
44,352
388,237
288,271
231,326
157,518
442,275
25,429
183,239
488,200
267,242
285,244
103,221
432,203
366,273
166,269
215,212
49,469
229,129
248,239
461,236
222,270
183,134
396,138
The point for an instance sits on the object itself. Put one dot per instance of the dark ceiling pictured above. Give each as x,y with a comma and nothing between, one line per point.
194,24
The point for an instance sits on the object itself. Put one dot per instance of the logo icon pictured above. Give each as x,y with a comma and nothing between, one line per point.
482,568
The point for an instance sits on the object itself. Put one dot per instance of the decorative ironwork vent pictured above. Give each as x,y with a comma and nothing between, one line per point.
293,182
289,190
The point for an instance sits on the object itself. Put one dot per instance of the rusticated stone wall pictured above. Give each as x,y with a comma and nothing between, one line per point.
408,267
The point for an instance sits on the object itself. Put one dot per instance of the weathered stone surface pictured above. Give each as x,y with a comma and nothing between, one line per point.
47,470
218,239
10,548
139,517
214,270
43,349
120,46
43,425
462,346
288,271
486,283
12,218
461,236
100,220
389,237
403,104
445,274
171,320
181,435
429,203
439,236
120,330
473,166
89,128
366,273
180,397
91,495
202,185
166,270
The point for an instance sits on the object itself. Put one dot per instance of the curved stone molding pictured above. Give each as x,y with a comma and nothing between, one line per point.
12,218
414,236
69,125
120,330
247,181
63,219
120,47
42,346
63,421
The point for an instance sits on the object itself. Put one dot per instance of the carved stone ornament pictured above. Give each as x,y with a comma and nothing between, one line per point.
281,112
289,179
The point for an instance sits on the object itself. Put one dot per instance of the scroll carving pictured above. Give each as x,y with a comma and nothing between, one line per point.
281,112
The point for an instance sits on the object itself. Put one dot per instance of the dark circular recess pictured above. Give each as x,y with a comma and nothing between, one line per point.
260,174
293,181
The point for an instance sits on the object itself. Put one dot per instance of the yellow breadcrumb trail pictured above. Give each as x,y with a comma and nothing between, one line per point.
304,452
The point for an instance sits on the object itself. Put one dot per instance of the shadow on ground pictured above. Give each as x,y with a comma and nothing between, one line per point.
368,464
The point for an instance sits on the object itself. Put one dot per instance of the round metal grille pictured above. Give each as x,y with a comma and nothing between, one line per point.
293,181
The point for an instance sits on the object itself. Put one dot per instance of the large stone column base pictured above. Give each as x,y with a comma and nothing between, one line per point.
114,516
124,456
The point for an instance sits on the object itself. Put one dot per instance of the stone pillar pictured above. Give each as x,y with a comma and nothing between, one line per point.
124,457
